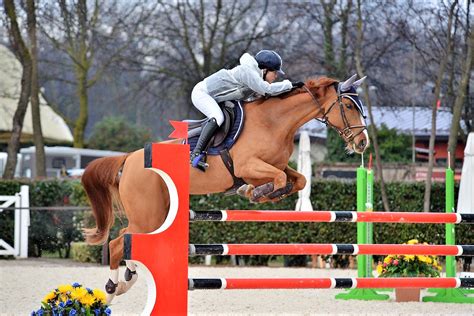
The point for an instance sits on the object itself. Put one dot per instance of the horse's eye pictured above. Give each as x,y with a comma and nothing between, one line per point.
349,106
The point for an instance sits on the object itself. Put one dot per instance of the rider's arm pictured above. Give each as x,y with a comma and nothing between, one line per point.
252,79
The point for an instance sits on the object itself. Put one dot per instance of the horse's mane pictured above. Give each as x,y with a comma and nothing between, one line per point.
311,83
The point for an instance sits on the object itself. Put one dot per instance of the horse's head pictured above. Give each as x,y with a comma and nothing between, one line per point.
342,110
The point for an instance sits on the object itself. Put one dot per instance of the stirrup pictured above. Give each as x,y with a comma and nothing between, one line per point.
197,162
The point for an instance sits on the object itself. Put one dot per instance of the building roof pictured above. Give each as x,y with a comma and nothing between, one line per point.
399,118
53,126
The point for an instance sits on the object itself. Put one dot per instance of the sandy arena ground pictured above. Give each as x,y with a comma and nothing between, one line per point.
25,282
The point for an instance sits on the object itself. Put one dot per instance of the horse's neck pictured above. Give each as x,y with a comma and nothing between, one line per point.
289,114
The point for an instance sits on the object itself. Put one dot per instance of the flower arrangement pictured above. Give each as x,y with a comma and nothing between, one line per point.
409,265
69,300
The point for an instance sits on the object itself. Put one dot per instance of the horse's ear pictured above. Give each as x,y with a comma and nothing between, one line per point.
359,82
346,85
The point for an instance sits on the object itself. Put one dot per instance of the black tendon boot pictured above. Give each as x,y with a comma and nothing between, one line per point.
206,134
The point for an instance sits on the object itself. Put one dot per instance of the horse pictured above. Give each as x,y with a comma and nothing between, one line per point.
260,156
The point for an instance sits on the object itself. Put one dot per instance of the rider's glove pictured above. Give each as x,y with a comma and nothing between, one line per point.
297,84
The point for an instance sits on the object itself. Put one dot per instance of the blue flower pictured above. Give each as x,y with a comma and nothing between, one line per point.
97,311
39,312
62,304
108,311
33,313
69,302
75,284
89,290
72,312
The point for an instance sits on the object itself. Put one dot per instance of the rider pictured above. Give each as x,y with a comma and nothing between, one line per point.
253,75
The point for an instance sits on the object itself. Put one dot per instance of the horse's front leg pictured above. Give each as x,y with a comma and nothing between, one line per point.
258,170
297,179
296,182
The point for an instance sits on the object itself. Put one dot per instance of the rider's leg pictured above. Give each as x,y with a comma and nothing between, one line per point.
207,105
206,135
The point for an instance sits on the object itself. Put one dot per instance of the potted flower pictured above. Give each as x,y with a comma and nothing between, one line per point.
73,299
408,266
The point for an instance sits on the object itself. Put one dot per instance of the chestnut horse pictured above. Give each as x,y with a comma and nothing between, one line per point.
260,157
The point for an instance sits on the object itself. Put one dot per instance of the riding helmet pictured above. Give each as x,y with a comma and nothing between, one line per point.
269,59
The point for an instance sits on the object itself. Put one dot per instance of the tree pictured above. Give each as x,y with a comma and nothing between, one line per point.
77,29
193,39
460,97
35,103
23,55
116,133
437,92
372,126
330,32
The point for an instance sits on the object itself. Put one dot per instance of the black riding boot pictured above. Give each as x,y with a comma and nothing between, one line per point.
206,135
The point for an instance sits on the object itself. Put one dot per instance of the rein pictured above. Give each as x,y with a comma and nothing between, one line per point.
346,133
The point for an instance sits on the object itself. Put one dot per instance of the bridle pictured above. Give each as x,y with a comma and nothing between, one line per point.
347,132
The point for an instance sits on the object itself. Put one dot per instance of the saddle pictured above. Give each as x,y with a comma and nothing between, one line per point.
226,135
224,138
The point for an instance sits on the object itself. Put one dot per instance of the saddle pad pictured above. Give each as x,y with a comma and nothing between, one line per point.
232,136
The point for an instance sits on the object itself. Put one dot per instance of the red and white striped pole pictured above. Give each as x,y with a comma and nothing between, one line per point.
328,283
330,216
330,249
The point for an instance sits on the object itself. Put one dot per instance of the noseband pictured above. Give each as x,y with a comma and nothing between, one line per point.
347,132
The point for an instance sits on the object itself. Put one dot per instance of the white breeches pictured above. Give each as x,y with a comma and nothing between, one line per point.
205,103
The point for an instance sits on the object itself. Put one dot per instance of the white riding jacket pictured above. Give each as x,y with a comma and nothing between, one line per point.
240,82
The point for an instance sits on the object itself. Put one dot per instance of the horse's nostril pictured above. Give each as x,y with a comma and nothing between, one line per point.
362,144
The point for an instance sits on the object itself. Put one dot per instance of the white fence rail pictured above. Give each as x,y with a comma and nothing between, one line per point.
22,222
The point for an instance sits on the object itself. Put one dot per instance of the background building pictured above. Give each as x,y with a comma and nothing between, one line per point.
55,129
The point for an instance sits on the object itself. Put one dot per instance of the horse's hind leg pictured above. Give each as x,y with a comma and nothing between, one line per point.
114,286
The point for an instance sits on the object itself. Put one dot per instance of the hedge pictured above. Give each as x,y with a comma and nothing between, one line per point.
327,195
51,231
54,231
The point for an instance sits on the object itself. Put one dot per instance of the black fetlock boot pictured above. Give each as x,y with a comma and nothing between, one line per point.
206,134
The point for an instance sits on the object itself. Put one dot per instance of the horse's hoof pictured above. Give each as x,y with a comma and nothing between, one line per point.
249,191
131,282
121,288
245,190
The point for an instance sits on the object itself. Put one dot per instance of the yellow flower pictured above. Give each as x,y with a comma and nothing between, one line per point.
439,268
99,295
64,288
87,300
78,292
413,241
387,259
49,296
62,298
409,258
379,269
424,259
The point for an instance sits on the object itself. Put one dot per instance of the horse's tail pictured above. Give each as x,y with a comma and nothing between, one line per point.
100,181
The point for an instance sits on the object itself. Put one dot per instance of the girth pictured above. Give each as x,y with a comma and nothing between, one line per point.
229,164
